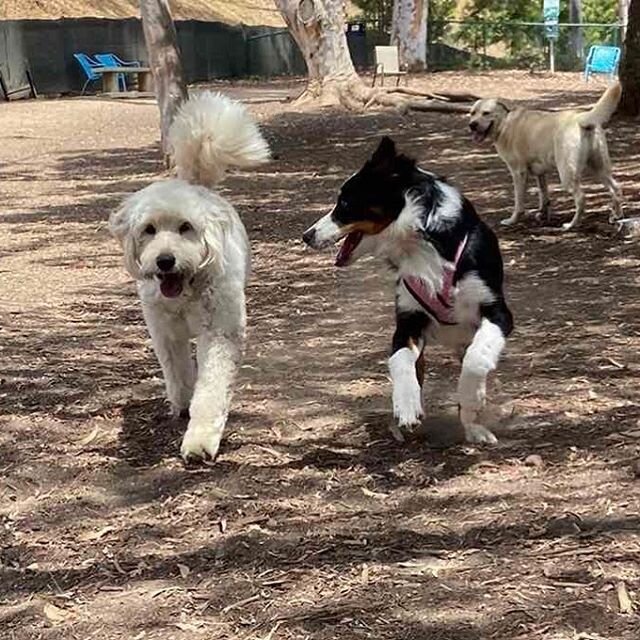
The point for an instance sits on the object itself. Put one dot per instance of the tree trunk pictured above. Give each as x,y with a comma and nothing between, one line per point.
409,32
623,16
318,28
575,16
630,65
164,60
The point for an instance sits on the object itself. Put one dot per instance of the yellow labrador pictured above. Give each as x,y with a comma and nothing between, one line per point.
532,142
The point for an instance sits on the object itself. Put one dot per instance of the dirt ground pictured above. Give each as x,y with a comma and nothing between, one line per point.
313,522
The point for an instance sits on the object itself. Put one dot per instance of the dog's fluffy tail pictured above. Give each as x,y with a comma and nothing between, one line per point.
209,134
602,110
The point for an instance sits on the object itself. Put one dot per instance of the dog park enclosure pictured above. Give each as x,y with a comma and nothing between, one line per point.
312,524
213,50
209,49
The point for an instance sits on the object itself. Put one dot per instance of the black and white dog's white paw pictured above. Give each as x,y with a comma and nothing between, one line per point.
407,403
407,393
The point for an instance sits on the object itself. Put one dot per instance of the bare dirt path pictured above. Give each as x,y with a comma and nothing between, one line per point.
313,523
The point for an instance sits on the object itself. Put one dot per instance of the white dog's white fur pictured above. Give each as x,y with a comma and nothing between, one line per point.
188,251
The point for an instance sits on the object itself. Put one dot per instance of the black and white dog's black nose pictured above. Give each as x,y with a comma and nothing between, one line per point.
308,236
165,262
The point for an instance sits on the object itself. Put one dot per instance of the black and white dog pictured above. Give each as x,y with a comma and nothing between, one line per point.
449,275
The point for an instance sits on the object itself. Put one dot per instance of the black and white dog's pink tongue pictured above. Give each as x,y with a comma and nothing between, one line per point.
347,247
171,285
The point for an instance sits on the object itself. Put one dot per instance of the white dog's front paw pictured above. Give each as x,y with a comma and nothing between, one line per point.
477,434
567,226
201,441
407,402
179,411
179,399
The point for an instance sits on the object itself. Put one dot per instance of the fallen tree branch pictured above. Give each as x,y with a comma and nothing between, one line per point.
437,106
24,609
444,96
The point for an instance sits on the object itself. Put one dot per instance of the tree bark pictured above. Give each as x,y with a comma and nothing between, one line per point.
409,32
164,60
318,28
623,16
575,16
630,64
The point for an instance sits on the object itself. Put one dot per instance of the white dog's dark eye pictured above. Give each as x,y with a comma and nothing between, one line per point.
486,113
150,230
185,227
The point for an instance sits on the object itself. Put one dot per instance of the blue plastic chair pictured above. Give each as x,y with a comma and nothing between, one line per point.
112,60
602,59
88,65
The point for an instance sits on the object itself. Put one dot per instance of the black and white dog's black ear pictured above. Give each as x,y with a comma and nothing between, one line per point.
384,156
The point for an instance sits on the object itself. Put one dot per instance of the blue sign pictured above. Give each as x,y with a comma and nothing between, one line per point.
551,15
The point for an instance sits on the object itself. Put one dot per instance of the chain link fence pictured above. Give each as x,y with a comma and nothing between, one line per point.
481,44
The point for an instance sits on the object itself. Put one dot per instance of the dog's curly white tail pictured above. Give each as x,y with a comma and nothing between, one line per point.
188,251
211,133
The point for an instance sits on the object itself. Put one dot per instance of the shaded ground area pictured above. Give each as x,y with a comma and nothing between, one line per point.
314,522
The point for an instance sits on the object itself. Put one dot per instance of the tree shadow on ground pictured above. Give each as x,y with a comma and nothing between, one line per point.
313,517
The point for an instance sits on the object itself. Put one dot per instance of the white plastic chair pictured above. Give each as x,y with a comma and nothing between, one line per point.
388,64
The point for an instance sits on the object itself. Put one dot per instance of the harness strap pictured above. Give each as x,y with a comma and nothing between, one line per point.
438,304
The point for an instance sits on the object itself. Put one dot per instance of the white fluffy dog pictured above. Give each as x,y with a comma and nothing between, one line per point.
188,251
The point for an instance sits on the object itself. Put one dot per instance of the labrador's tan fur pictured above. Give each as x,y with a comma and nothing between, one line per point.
533,142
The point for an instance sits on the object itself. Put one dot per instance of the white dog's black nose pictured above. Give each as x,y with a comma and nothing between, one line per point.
165,262
473,126
308,236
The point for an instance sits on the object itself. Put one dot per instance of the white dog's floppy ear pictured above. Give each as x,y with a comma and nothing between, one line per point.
120,227
120,220
214,236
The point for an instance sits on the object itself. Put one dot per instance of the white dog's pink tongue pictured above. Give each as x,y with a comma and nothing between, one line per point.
477,137
171,285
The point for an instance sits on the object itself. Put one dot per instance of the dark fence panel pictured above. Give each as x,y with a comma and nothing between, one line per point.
11,47
209,50
272,52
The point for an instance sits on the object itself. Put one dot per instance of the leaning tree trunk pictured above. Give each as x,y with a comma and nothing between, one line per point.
409,32
318,28
164,60
630,65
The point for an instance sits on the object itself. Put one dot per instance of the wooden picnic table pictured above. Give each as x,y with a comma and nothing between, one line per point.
110,78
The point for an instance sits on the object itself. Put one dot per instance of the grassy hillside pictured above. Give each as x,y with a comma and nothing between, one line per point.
251,12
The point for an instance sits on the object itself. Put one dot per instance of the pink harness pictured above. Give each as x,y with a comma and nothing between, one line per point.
438,304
